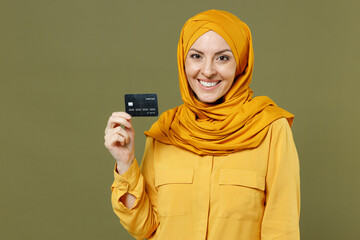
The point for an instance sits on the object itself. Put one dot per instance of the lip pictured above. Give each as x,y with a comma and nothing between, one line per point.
208,88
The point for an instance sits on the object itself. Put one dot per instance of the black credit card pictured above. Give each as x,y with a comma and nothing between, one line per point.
141,105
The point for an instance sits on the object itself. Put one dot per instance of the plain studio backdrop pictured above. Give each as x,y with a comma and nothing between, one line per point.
66,65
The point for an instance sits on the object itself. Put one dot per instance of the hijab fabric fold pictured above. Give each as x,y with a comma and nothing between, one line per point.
239,121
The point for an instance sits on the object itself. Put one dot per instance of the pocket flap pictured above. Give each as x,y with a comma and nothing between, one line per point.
242,178
171,176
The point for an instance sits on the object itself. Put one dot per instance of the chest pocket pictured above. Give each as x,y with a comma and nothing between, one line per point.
241,194
174,191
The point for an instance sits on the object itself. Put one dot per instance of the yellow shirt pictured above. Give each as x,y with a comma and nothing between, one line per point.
248,195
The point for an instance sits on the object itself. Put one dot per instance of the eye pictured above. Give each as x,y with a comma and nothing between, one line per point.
195,56
223,58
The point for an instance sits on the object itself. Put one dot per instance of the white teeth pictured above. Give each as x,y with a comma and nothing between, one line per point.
208,84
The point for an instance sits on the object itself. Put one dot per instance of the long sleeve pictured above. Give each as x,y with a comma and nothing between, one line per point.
282,190
141,220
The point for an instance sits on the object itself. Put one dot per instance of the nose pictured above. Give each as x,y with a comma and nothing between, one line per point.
208,68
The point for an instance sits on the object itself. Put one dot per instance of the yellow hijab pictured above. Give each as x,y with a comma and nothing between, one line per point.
239,122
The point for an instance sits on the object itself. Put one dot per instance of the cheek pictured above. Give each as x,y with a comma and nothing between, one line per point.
189,69
189,72
229,70
229,73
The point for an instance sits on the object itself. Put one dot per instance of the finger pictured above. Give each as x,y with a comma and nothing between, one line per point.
117,114
120,139
114,140
121,114
119,131
122,132
115,121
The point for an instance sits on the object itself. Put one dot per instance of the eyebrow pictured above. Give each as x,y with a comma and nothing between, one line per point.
219,52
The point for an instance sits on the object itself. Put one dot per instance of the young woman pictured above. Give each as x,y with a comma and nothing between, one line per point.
221,166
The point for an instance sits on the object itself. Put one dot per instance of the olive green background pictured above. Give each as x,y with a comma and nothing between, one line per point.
65,66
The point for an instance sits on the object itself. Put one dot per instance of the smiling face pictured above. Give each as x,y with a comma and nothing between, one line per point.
210,67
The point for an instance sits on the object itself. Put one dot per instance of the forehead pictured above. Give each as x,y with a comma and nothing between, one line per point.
210,41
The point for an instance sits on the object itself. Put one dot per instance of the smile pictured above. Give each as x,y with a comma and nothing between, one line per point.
208,84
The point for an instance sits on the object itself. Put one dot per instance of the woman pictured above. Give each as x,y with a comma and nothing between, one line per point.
221,166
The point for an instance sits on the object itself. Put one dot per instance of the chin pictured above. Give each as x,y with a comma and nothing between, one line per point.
210,100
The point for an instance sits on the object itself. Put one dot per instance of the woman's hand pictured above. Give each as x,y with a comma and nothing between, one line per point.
119,140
